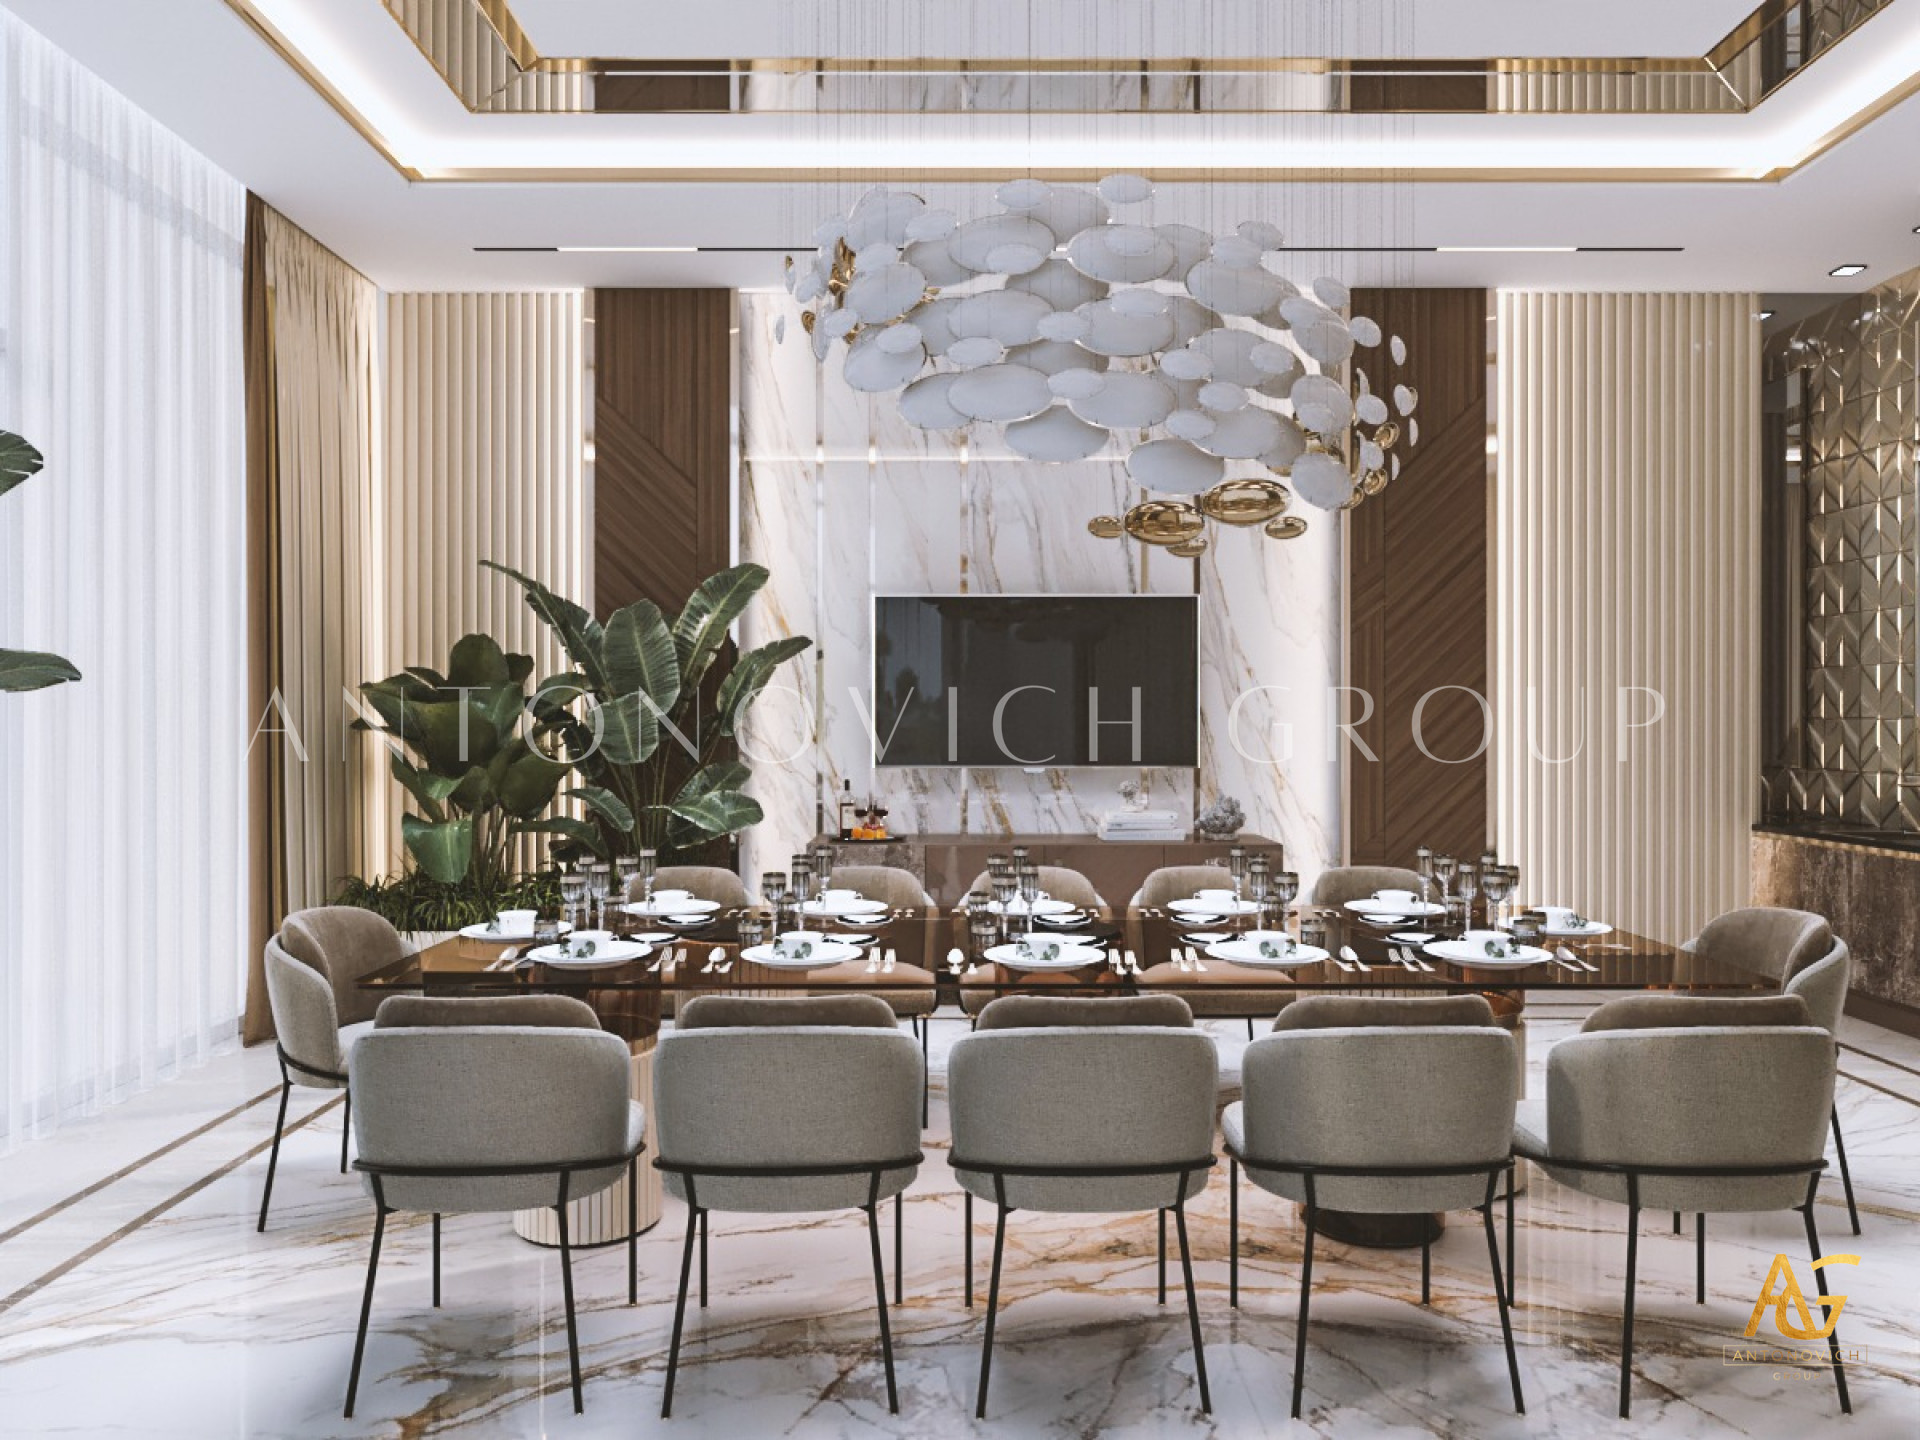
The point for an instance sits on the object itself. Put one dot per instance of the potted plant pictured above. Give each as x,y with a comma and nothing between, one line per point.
26,669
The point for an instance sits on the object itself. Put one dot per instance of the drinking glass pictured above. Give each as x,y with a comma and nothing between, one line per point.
1029,876
984,931
1494,884
823,866
1466,885
1423,863
1237,865
1513,879
1313,930
1443,868
649,870
1019,856
753,928
773,887
1259,890
1286,887
801,885
625,870
599,878
1488,861
573,895
1456,915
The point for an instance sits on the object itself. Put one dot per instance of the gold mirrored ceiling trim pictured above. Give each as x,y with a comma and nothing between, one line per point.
487,58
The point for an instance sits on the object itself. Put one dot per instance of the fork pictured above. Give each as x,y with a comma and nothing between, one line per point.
659,960
1576,962
1347,954
886,966
1133,964
717,961
1341,963
1194,961
1114,962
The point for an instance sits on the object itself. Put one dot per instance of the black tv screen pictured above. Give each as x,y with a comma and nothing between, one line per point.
1026,680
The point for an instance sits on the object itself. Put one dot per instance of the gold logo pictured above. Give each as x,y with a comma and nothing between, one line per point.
1782,1289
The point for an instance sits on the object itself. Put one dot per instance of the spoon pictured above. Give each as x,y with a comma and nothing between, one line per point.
1347,954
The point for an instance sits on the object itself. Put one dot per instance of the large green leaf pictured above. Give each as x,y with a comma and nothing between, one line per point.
719,812
709,613
22,670
578,831
477,660
629,732
609,806
527,787
444,851
455,735
19,461
749,677
580,634
429,789
640,654
683,834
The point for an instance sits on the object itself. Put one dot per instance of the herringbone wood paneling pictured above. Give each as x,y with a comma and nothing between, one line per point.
1417,597
661,513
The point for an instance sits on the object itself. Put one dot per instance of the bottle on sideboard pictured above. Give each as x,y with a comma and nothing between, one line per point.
848,818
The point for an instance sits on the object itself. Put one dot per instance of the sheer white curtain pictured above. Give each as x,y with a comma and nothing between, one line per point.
121,797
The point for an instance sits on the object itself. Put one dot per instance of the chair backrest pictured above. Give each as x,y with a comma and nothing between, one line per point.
1356,882
1699,1097
1765,939
343,942
424,1012
703,882
1823,985
488,1096
787,1096
1381,1096
1117,1097
1346,1012
1659,1012
1178,882
737,1012
1059,882
305,1019
1031,1012
899,888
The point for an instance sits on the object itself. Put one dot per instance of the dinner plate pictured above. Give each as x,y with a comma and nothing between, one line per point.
1371,906
847,937
1041,907
1071,957
653,937
1206,937
854,905
504,937
1474,953
1412,937
1246,951
614,952
1050,938
1593,927
671,907
1065,917
1197,906
826,953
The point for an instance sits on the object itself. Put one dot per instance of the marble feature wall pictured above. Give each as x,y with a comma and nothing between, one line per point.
841,499
1869,895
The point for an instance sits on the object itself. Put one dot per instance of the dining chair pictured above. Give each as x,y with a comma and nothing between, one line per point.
1685,1103
1796,950
1209,992
313,971
1061,884
1050,1118
703,882
758,1114
482,1117
1341,883
1376,1105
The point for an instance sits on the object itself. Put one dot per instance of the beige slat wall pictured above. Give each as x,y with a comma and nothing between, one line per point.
486,415
1625,554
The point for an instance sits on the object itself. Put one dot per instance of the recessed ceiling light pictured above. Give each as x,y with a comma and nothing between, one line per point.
1842,272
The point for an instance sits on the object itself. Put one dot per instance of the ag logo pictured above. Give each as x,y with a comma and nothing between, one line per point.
1781,1289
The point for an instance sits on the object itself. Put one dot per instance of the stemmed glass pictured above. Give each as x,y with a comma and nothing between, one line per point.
823,868
599,879
649,871
1466,885
1493,881
773,893
1443,868
1259,889
573,895
1423,863
1029,879
1004,889
1285,889
1237,865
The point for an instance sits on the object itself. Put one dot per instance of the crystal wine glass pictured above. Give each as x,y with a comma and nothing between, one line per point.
823,867
1423,863
573,895
625,870
1259,890
649,872
1493,881
599,879
1443,868
1237,866
1466,884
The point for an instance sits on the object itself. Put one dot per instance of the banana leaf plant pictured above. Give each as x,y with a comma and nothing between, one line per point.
459,743
26,669
647,718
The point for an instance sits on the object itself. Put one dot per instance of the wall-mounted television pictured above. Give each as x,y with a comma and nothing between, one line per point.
1036,680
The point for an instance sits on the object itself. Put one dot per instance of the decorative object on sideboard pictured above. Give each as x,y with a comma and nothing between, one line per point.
22,670
643,719
1221,820
1066,330
1133,795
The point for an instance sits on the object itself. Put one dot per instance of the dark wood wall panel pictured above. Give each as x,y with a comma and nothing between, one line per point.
661,510
1417,594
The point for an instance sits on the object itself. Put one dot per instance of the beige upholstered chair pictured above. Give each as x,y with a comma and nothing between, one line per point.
1690,1109
902,890
1050,1118
1342,883
1061,884
784,1119
313,972
1797,951
703,882
483,1117
1376,1105
1209,993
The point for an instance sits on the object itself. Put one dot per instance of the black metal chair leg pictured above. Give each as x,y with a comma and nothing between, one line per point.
633,1231
1193,1304
880,1297
1676,1222
1233,1232
1163,1257
1700,1259
1249,1027
1499,1294
1846,1176
566,1290
346,1129
1511,1201
993,1304
680,1309
273,1156
1426,1264
1306,1289
899,1253
926,1072
366,1309
966,1231
703,1259
436,1260
1626,1314
1820,1279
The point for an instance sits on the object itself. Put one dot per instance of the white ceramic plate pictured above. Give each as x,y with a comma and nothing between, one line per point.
1071,957
1593,927
1197,906
847,937
654,937
852,905
614,952
1049,937
1040,907
503,937
671,907
1247,952
1065,917
825,953
1388,907
1206,937
1411,937
1474,953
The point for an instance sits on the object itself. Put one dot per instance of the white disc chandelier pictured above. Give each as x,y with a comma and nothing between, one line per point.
1064,327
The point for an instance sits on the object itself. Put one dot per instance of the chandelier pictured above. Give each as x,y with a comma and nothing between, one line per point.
1231,390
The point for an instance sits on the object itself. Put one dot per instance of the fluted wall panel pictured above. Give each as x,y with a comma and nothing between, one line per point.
1626,535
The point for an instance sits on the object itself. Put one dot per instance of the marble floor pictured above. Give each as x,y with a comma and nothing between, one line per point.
137,1300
